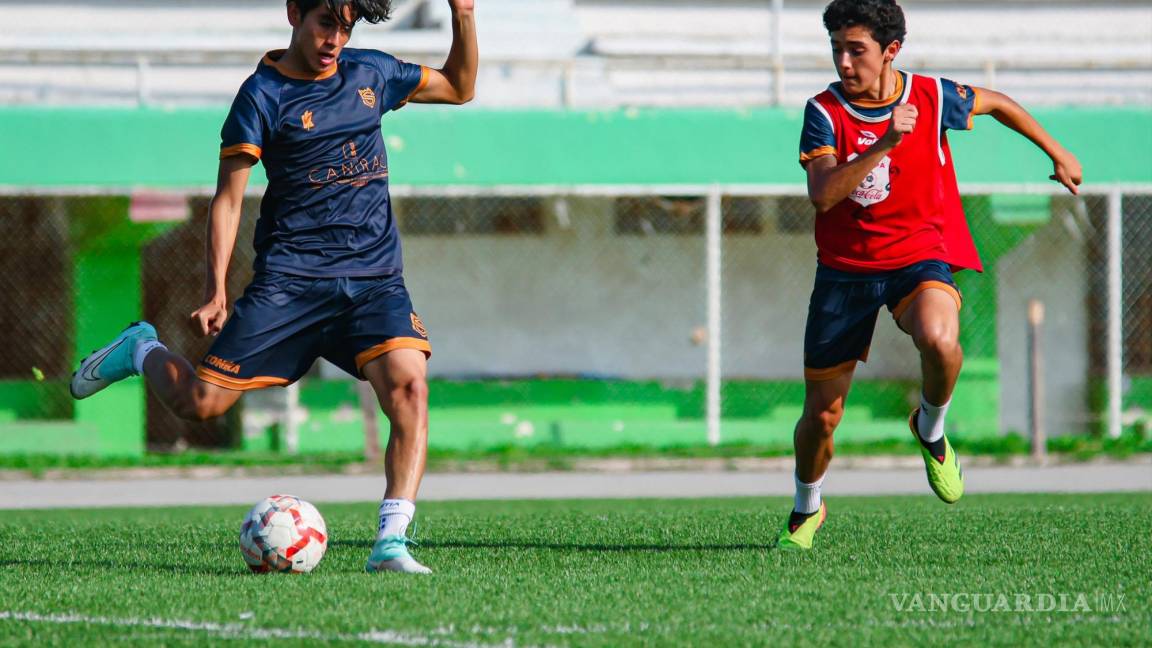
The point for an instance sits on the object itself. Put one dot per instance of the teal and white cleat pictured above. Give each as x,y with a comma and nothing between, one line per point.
390,553
110,363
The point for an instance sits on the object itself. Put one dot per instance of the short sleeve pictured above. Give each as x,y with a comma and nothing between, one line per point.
959,102
245,127
817,138
401,80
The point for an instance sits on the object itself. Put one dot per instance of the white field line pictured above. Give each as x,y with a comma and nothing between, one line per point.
242,631
392,637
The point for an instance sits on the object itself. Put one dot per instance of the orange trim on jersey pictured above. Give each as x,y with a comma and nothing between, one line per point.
817,152
830,372
368,355
239,384
275,64
938,285
237,149
880,103
975,106
425,77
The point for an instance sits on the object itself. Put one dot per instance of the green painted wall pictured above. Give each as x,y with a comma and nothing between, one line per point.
437,146
594,413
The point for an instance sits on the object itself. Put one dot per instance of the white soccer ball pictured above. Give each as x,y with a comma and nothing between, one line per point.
283,533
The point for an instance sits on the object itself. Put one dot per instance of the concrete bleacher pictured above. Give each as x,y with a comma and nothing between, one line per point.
1045,53
580,53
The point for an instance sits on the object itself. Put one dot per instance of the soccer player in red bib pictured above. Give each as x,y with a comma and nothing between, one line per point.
328,272
890,232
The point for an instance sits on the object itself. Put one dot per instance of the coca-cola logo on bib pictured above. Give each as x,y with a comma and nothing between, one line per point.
876,186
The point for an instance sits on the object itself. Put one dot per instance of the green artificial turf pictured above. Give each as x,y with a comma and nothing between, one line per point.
599,573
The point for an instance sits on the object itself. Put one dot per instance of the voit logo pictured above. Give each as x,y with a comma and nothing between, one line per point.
867,138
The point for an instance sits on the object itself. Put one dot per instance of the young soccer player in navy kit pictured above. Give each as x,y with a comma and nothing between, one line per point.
328,273
890,231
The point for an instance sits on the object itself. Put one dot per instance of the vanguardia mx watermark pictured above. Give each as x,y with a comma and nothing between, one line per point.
1068,602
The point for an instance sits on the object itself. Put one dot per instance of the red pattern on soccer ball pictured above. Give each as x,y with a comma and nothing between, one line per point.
261,556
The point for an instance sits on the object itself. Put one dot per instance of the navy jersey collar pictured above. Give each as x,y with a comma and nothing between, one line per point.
272,60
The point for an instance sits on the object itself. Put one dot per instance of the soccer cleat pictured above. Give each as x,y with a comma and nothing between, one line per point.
798,534
110,363
943,467
390,553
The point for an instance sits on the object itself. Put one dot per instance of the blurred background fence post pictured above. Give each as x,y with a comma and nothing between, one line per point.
1037,434
715,296
370,411
1115,312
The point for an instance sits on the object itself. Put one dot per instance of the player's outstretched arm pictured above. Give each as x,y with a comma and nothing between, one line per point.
829,183
1065,167
223,223
455,83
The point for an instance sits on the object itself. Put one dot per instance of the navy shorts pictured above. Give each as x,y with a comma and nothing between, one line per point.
844,306
283,323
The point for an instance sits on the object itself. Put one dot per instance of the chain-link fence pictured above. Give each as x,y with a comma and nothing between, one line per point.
589,316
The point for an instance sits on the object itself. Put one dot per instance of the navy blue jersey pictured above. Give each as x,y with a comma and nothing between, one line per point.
326,211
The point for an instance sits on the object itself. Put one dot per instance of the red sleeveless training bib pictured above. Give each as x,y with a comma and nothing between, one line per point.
908,208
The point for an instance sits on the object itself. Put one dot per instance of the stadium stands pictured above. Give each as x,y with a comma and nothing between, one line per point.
580,53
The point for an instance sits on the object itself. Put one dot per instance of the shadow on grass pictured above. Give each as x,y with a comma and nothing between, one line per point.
56,565
564,546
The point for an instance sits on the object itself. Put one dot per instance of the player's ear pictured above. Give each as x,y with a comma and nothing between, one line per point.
891,51
294,17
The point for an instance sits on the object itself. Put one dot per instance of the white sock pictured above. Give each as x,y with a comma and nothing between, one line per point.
807,495
395,514
142,351
930,423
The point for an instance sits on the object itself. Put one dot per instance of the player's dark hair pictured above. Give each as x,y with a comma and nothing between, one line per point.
884,18
372,11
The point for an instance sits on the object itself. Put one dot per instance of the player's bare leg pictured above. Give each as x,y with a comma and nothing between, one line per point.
136,350
176,384
823,410
933,321
399,379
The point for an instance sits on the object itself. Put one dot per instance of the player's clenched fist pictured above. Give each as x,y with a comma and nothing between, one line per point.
209,319
463,5
903,121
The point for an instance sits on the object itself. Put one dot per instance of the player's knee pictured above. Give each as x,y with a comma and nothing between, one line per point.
939,342
200,408
410,394
823,421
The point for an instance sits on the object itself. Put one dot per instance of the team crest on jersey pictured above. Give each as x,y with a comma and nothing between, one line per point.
876,186
962,91
306,120
418,326
368,97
